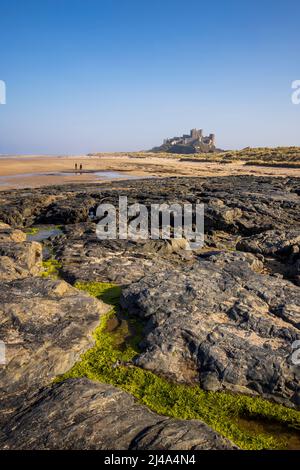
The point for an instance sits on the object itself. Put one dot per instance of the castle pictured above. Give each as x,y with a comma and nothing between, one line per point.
195,138
193,142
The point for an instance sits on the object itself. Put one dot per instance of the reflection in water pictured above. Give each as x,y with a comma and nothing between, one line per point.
12,179
44,233
289,437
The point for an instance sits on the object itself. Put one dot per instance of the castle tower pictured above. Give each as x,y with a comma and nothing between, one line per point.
212,139
194,133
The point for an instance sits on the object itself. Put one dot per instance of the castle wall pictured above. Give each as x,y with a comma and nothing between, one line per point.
195,139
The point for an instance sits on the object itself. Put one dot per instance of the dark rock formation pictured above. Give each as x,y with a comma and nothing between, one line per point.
72,209
220,319
224,316
19,260
265,203
7,234
85,257
107,418
279,243
45,325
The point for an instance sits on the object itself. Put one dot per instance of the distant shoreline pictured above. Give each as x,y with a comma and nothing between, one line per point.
22,171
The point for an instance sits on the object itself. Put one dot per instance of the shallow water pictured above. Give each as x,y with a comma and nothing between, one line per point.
29,175
10,179
44,233
290,437
117,174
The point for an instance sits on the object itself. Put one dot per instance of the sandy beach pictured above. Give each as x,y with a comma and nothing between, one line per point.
35,171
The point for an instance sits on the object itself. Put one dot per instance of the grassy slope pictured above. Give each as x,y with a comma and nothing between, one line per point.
259,155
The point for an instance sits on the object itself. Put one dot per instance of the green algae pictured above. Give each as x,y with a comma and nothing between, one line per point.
110,361
32,231
51,268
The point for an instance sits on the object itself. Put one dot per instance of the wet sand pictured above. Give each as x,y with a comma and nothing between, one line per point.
35,171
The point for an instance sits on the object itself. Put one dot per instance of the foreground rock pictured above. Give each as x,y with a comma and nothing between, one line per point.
225,316
8,234
84,257
244,204
45,325
19,260
222,322
80,414
281,245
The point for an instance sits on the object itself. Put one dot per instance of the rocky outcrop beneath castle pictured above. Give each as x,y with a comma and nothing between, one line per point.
194,142
80,414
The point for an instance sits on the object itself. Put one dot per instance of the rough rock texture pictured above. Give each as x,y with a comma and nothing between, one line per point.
224,316
107,418
280,245
273,242
235,208
4,226
8,234
221,320
72,209
19,208
248,204
45,325
18,260
84,257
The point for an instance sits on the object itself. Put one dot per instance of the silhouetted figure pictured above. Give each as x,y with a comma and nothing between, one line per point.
75,167
80,168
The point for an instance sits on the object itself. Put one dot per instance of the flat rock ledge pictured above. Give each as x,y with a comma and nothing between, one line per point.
220,323
18,257
60,423
46,325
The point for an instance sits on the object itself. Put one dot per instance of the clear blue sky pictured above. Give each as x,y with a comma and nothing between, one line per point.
104,75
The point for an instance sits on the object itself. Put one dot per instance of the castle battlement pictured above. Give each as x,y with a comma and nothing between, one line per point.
194,142
195,138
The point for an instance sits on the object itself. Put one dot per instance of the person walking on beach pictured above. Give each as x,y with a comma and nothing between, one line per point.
80,167
75,167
